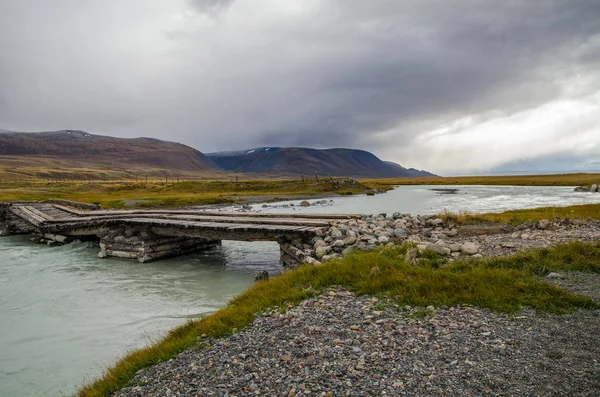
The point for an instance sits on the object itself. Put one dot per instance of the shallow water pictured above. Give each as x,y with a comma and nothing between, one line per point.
423,200
65,314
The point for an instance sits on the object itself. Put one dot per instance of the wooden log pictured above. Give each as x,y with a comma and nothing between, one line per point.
118,254
73,204
25,215
183,243
58,238
45,216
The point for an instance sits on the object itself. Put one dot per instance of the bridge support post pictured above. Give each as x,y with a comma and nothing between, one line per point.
293,252
3,220
145,246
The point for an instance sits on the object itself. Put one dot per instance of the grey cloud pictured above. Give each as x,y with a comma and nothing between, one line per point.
338,74
212,7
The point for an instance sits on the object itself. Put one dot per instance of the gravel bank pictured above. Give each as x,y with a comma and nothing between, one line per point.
342,345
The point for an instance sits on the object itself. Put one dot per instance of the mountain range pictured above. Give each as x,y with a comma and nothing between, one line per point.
304,161
53,153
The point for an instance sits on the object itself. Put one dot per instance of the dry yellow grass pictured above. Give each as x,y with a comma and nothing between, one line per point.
579,179
162,194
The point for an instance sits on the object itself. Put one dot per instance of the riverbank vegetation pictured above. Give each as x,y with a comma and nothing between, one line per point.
517,217
500,284
577,179
175,194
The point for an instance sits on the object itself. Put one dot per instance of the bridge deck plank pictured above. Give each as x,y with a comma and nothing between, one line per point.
272,221
205,213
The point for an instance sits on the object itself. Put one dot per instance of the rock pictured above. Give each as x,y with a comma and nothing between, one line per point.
304,203
262,276
430,309
469,248
351,240
438,249
455,247
396,215
435,222
322,251
339,244
383,240
553,275
595,188
336,233
347,251
320,243
311,261
508,244
582,189
400,233
543,224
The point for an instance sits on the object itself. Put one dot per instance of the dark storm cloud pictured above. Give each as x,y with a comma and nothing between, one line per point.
232,74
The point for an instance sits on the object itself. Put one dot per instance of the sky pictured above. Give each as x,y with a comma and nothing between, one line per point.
450,86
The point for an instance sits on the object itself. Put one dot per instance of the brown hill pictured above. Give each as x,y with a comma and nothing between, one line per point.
59,151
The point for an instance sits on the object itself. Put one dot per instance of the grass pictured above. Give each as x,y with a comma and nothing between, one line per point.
163,194
517,217
500,284
578,179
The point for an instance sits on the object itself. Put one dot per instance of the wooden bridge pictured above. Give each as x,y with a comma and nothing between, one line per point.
148,235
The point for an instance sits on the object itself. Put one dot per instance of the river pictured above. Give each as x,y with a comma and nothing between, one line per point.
65,314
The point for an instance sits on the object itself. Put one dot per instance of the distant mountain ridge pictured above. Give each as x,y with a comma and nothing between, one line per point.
62,151
106,151
296,160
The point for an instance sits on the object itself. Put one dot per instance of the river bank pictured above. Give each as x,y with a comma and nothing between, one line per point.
333,344
340,344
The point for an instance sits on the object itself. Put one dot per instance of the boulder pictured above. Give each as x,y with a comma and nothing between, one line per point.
322,251
543,224
336,233
304,203
469,248
400,233
595,188
339,244
320,243
383,240
438,249
311,261
455,247
262,276
350,240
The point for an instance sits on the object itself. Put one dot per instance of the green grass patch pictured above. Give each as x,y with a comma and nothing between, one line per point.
501,284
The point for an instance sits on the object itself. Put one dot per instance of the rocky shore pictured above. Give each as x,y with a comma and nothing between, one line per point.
432,233
342,345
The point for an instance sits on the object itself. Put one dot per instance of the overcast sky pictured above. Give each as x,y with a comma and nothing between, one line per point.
451,86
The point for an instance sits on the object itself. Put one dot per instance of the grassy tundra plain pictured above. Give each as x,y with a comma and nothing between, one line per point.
173,194
161,193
